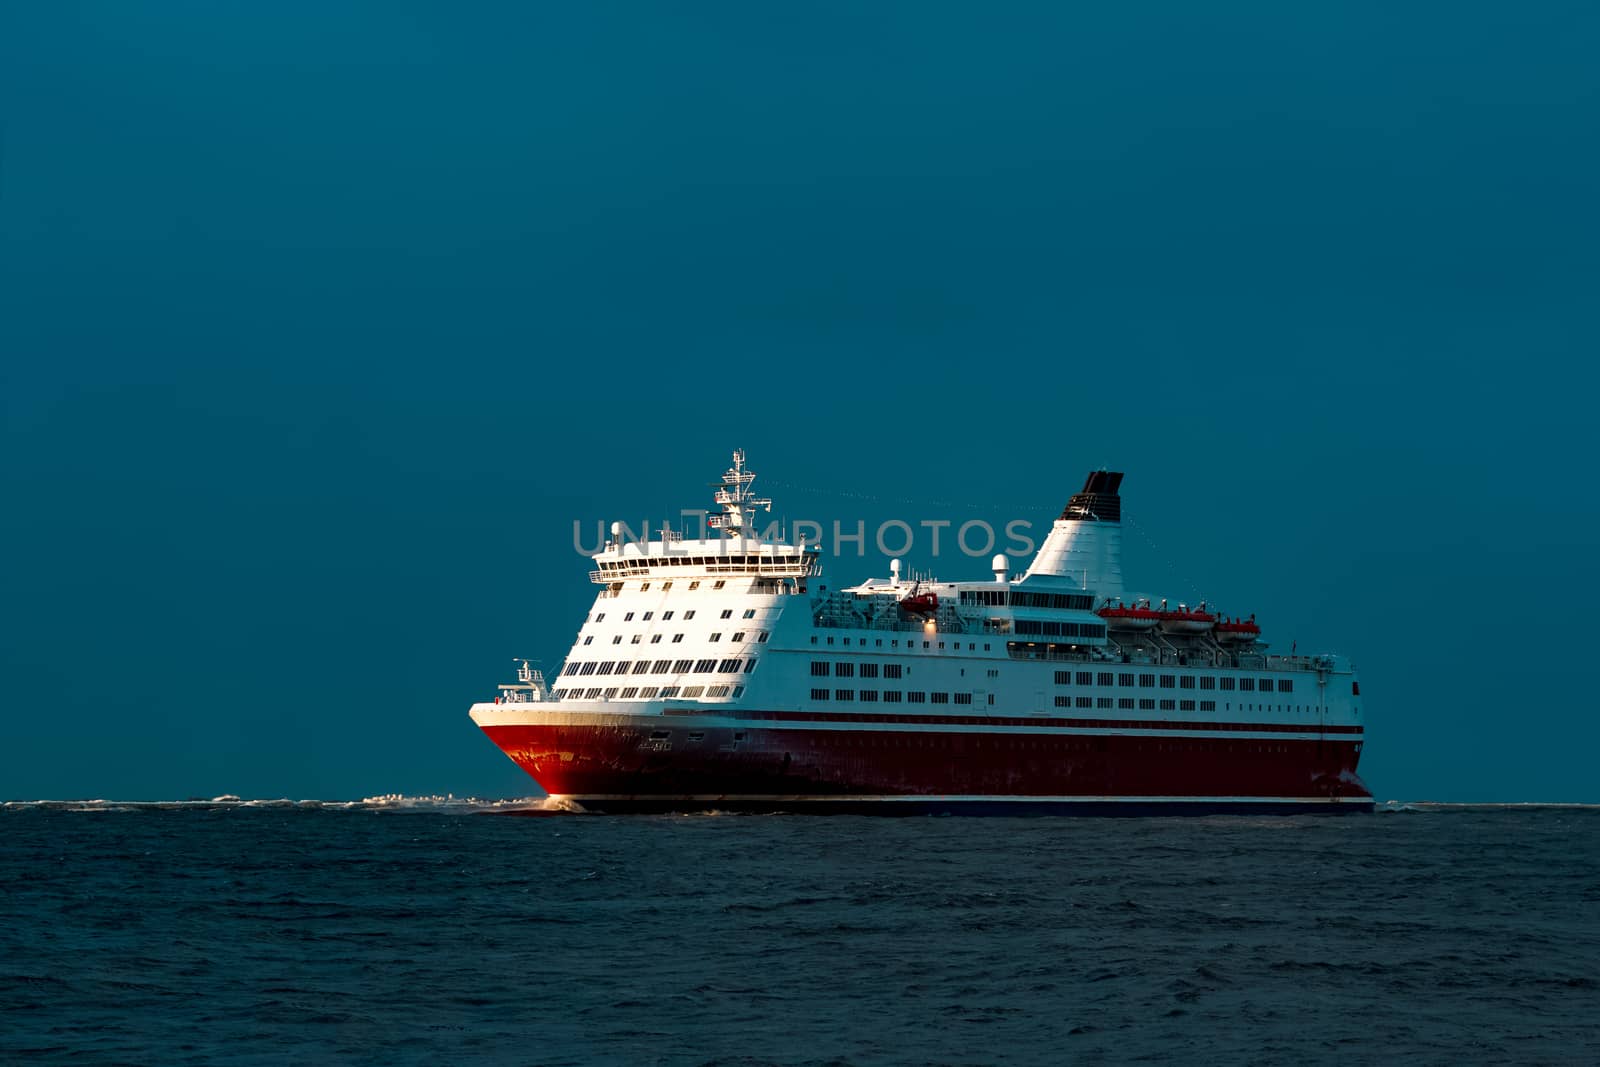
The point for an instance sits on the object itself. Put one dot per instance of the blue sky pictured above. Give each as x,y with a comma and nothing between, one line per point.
321,323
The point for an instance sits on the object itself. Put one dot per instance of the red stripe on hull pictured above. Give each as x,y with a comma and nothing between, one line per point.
624,760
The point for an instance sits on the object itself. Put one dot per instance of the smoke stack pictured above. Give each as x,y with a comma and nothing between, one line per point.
1085,544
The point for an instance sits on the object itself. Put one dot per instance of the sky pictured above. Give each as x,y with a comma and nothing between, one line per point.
321,325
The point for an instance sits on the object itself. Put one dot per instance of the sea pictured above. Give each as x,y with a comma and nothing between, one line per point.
434,930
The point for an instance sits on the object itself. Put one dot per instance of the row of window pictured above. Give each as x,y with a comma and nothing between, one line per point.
660,666
629,565
653,692
846,669
1170,681
677,639
894,642
1019,599
892,696
1059,629
1129,703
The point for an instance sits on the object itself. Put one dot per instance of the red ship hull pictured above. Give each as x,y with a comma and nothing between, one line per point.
759,765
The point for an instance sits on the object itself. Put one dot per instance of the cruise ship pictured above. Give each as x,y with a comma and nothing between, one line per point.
720,673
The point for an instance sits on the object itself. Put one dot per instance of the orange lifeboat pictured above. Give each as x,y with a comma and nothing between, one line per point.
1125,617
919,603
1187,620
1238,631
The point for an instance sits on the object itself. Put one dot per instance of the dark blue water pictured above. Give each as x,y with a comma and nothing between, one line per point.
273,935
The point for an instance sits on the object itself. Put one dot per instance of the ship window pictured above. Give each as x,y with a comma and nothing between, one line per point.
819,668
749,665
830,640
688,615
730,666
677,638
717,691
655,639
648,616
1147,704
648,692
600,617
1185,705
939,698
1063,702
605,667
705,666
1226,683
1186,682
1248,685
1105,678
1285,685
1125,703
665,586
844,694
1266,685
693,690
963,698
750,613
1167,681
589,640
718,584
661,666
617,640
588,668
679,666
641,666
869,670
868,696
813,639
611,692
669,691
1208,683
591,693
1147,680
891,670
630,692
1104,702
916,697
716,637
635,639
694,585
628,617
1355,689
844,670
666,616
986,648
1063,677
1208,705
819,694
891,696
1085,702
728,614
738,691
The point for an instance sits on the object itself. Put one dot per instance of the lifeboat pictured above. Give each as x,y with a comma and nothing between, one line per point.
919,603
1124,617
1187,620
1238,631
